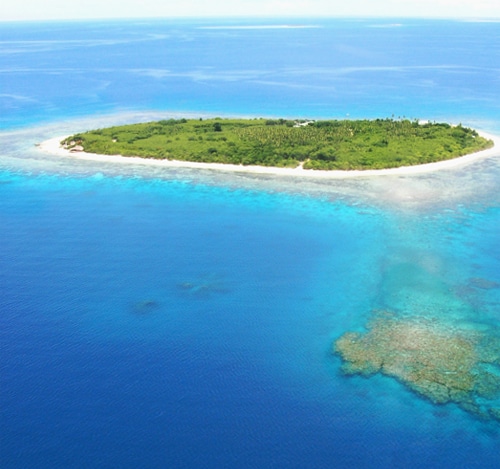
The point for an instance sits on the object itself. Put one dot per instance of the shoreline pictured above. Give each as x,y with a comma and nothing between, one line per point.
53,147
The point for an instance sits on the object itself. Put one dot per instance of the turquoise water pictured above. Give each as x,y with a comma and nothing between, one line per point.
154,318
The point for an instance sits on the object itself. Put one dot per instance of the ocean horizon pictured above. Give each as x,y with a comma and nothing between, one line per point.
154,317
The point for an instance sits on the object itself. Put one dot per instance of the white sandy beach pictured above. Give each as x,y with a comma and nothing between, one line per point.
53,147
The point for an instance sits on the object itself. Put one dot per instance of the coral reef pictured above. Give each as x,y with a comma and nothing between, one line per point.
145,307
436,360
204,286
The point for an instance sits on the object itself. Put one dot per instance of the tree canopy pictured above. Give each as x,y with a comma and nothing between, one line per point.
322,144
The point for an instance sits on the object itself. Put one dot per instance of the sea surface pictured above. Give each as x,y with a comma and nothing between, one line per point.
154,318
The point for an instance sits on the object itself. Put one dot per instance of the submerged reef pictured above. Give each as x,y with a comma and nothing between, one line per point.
145,307
204,286
439,361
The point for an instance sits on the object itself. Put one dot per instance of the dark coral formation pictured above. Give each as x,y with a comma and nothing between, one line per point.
145,307
205,286
436,360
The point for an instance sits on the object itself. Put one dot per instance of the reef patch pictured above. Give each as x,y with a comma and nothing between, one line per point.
204,286
437,360
145,307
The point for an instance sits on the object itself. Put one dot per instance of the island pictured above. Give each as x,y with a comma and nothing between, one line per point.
283,143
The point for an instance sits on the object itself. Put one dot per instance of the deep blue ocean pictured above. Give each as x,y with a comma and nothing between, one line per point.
154,318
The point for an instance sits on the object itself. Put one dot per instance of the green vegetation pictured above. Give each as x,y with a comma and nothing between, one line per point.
443,363
327,145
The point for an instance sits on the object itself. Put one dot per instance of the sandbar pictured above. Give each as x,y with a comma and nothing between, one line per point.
54,147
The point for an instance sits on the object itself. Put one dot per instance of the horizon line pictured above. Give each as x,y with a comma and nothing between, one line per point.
482,19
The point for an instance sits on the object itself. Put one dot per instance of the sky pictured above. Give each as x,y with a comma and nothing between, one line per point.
13,10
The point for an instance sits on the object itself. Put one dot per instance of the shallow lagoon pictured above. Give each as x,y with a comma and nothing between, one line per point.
186,318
